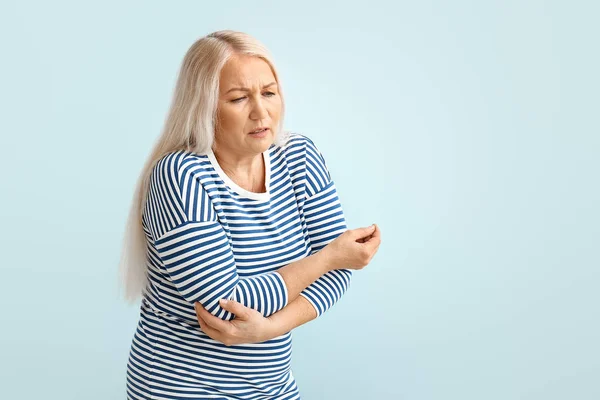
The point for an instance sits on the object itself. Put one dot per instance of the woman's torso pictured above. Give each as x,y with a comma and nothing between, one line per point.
170,355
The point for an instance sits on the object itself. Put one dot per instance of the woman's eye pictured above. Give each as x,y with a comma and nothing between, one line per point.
270,94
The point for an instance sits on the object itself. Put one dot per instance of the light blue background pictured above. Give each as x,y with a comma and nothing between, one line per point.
467,130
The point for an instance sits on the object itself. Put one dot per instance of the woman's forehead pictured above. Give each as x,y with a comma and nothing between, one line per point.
246,72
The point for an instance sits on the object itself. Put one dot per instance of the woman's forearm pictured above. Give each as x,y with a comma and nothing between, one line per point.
300,274
296,313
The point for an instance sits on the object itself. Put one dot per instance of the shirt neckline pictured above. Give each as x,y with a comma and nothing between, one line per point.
238,189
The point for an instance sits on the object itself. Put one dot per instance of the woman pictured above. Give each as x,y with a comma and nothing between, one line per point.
235,237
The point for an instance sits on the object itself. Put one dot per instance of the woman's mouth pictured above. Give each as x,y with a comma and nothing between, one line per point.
260,132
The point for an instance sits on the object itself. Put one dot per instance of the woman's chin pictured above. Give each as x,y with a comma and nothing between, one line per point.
261,142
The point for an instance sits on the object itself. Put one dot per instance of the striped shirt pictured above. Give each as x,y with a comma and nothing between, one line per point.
207,239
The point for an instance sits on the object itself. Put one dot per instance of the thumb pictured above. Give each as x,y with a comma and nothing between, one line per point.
234,307
363,232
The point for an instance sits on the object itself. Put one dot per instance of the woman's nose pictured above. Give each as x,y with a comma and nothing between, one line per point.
259,111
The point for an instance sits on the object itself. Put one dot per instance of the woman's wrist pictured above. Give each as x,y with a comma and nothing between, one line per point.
325,259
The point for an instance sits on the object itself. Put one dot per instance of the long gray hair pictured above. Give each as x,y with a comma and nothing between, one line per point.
190,126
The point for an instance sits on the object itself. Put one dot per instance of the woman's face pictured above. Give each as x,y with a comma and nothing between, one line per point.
248,99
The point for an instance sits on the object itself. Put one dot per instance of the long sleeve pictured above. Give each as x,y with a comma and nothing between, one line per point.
325,221
194,248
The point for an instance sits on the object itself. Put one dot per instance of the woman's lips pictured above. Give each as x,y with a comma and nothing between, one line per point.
260,134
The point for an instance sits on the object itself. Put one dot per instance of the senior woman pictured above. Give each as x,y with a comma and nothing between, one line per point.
235,237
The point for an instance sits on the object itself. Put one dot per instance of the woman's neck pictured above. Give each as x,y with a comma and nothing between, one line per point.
248,172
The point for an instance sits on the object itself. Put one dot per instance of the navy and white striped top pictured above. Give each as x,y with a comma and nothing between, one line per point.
207,239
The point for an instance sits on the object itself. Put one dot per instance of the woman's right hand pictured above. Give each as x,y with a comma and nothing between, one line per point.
354,248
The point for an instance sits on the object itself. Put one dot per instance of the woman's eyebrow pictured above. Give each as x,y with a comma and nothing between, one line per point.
243,89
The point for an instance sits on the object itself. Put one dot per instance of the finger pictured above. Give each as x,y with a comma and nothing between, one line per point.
197,308
360,233
202,323
211,320
376,232
375,238
239,310
373,244
375,235
366,238
374,250
211,332
200,312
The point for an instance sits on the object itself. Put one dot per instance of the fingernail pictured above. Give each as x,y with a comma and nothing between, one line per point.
223,301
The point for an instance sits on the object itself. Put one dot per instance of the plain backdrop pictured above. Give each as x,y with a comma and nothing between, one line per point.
467,130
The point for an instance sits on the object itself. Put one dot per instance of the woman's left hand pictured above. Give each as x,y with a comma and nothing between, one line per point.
249,326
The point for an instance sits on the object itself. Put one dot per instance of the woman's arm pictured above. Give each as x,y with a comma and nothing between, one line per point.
325,221
302,310
249,326
296,313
